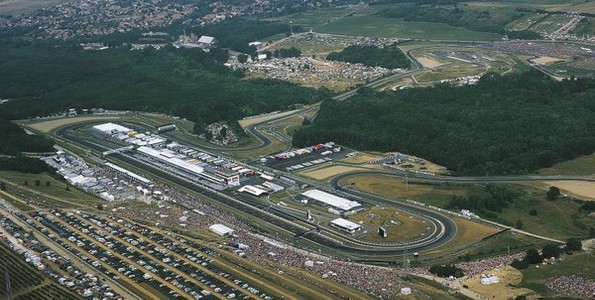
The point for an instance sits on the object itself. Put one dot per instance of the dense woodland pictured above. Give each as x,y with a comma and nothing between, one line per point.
185,82
14,140
503,125
390,57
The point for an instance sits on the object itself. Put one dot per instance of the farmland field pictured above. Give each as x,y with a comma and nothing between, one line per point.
394,28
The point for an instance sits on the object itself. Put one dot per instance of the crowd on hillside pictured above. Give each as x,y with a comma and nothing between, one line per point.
573,285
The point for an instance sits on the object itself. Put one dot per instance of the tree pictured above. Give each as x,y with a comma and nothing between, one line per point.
519,264
223,131
533,212
26,183
37,182
48,184
67,188
519,224
574,244
533,257
447,271
550,250
2,185
553,193
242,58
99,206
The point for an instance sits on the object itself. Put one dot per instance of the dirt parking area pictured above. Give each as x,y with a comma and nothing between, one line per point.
324,173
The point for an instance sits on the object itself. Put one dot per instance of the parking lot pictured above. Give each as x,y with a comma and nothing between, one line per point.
129,252
302,159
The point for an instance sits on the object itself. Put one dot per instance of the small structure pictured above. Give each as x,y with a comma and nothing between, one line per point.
406,291
221,229
256,44
346,225
252,190
111,128
382,232
207,41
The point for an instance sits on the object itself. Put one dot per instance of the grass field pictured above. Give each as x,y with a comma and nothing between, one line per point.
23,187
580,264
550,23
316,17
582,166
47,126
509,278
400,226
385,27
557,219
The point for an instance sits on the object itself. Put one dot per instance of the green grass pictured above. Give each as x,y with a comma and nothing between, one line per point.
313,18
391,28
581,264
57,188
524,22
584,165
550,23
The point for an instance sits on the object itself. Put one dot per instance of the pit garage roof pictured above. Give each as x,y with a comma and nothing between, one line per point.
182,164
332,200
110,128
346,224
221,229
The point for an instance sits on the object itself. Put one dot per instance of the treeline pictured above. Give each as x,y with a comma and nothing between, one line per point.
189,83
472,19
15,140
390,57
495,199
522,35
512,124
24,164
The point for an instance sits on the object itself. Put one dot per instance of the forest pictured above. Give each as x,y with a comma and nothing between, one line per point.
189,83
14,140
513,124
390,57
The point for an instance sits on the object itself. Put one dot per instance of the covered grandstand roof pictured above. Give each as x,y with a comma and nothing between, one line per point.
332,200
182,164
221,229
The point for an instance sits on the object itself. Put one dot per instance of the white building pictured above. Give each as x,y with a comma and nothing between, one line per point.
337,202
221,229
111,128
206,40
346,225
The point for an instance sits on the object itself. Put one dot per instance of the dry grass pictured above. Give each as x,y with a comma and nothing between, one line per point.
247,122
410,227
428,62
47,126
467,232
546,60
509,278
580,189
395,188
324,173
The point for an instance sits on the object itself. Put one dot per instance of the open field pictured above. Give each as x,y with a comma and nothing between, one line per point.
509,278
400,226
544,60
580,264
316,17
311,48
468,232
391,28
325,173
396,188
23,186
557,219
47,126
249,121
361,158
580,189
584,165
